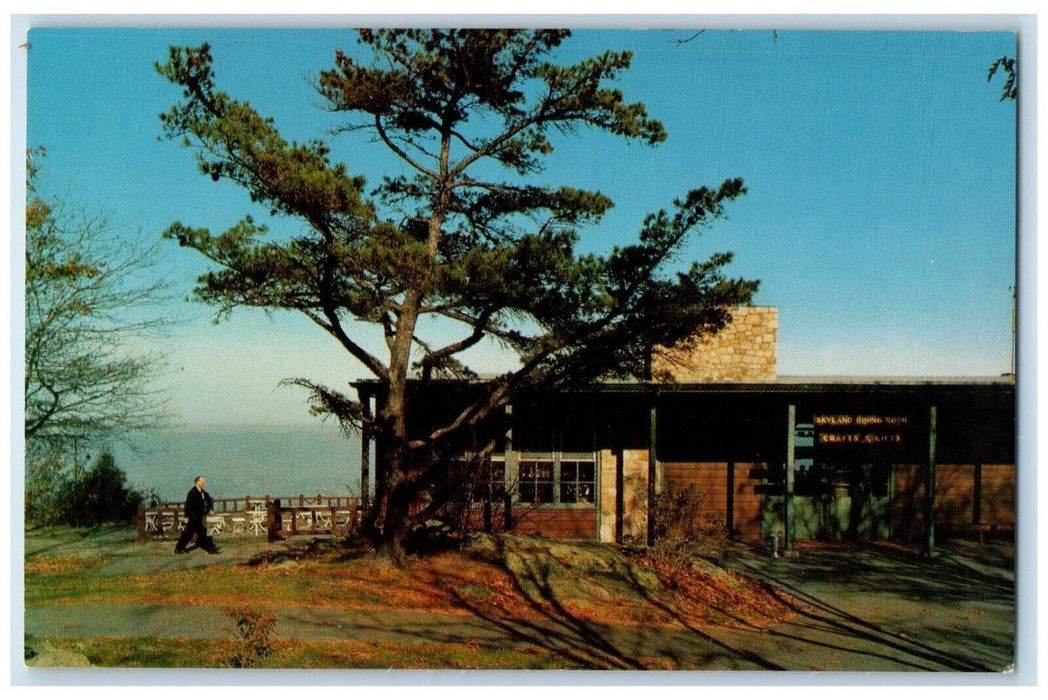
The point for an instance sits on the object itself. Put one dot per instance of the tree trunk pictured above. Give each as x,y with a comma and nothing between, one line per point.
392,507
392,542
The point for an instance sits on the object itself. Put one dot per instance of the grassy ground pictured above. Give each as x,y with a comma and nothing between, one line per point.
99,597
506,578
175,652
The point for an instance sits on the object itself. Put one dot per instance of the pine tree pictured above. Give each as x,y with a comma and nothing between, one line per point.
443,238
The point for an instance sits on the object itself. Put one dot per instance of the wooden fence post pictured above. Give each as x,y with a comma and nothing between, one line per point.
141,522
270,516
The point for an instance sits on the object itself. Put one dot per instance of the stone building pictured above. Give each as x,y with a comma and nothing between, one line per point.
743,351
805,458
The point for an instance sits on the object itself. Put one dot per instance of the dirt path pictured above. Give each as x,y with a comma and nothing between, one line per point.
862,610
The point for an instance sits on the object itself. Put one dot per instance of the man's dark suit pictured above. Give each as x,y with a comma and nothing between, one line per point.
198,505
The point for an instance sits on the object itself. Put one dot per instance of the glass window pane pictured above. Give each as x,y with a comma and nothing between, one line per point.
568,471
544,471
586,493
498,471
544,493
527,492
586,470
568,493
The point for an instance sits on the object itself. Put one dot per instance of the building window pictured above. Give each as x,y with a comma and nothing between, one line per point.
491,480
577,484
536,481
556,479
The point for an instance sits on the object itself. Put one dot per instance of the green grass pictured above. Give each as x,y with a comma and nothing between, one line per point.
153,652
343,585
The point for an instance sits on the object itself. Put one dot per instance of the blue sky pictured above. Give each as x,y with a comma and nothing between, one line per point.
880,215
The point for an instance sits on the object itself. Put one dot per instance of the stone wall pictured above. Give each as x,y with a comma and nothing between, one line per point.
634,466
743,351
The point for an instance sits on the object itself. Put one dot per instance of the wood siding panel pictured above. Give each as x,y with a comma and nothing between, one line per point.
998,494
747,503
557,523
955,493
712,479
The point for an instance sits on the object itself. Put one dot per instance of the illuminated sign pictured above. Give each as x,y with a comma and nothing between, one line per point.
864,438
860,420
860,430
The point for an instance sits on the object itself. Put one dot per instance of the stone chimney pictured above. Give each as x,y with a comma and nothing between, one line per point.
743,351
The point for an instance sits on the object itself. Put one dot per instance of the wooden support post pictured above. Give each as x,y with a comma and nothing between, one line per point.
791,441
977,487
141,522
365,451
930,484
620,498
511,467
729,515
652,468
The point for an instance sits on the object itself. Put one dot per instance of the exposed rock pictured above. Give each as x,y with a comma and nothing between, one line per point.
43,655
547,569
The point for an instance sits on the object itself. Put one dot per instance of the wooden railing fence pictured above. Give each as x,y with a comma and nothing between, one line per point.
253,516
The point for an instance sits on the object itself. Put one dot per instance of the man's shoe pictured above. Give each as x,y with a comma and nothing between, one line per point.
214,550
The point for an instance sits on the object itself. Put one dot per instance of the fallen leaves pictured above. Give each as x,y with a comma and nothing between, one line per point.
45,565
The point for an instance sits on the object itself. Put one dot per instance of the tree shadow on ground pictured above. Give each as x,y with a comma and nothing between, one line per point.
554,628
808,584
818,622
881,570
708,636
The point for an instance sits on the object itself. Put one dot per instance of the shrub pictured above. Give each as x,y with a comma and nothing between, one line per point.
682,531
252,638
101,495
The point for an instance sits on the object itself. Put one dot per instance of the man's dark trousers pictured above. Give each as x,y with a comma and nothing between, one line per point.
198,505
195,527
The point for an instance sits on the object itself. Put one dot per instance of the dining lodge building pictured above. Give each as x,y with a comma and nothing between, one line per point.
824,458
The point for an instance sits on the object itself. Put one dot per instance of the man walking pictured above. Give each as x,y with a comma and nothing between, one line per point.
198,505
